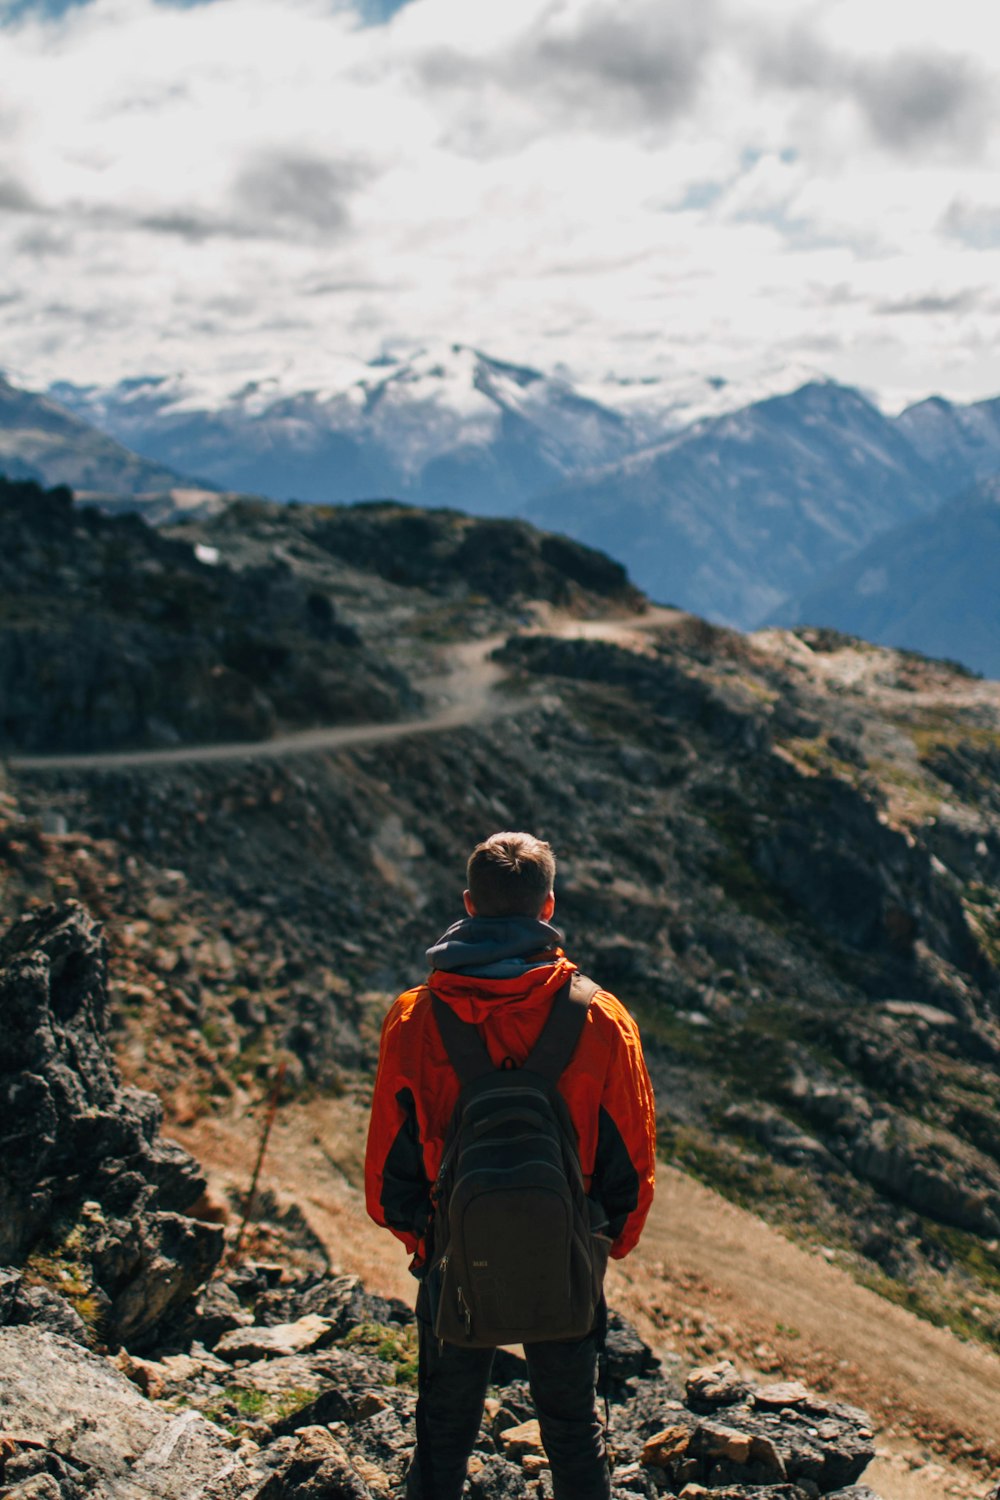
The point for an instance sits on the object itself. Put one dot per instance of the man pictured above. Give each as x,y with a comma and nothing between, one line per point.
501,968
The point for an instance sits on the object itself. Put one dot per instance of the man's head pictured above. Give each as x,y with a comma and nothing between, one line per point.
511,874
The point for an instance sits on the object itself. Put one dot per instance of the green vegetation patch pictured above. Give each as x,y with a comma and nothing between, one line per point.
944,732
392,1343
743,1172
676,1033
982,910
731,869
62,1266
239,1405
816,757
933,1298
979,1258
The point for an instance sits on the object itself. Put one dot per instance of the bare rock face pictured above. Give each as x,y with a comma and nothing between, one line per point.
83,1429
92,1200
141,642
312,1463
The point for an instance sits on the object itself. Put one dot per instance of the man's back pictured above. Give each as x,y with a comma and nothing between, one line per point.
499,970
605,1087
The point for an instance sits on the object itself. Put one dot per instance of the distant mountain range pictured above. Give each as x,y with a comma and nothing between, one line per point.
930,585
449,426
733,515
740,503
41,440
962,443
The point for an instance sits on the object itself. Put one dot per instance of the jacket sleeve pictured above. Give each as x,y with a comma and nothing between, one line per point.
624,1168
397,1192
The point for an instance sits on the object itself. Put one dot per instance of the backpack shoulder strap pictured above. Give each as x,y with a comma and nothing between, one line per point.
465,1047
551,1054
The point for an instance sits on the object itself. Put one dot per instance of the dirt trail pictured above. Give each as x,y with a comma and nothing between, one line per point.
467,691
709,1280
468,688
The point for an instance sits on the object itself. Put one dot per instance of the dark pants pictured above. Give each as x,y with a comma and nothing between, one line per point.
452,1388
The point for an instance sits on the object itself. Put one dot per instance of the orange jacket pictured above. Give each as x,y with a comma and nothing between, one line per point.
605,1086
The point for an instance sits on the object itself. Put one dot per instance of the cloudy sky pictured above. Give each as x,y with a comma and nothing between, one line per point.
234,188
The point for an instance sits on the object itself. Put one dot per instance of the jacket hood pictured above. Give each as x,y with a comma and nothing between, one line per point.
475,999
495,947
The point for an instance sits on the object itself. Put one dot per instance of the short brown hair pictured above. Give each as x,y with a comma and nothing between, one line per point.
510,874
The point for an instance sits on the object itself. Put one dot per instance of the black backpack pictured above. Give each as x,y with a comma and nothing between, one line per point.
519,1251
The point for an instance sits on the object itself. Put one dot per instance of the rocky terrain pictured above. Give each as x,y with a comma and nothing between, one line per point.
92,1199
782,850
134,1364
112,633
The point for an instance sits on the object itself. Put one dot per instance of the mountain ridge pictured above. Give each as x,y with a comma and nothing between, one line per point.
736,516
721,517
928,585
42,440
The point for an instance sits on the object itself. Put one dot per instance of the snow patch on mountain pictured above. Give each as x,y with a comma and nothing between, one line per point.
669,403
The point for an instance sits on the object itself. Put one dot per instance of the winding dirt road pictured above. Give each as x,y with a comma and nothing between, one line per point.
468,691
468,688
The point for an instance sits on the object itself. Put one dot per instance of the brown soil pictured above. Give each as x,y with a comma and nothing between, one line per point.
709,1281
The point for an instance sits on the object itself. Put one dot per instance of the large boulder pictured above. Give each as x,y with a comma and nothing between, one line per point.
75,1420
92,1199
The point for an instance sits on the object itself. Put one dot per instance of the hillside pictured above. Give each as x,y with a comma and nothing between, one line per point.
782,850
113,634
42,440
929,585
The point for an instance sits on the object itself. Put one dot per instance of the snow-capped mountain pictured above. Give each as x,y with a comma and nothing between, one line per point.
444,426
447,427
658,406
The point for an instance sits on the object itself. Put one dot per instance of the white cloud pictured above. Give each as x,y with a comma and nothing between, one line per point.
249,185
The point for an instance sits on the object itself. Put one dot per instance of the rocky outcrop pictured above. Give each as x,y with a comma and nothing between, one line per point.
286,1423
74,1427
117,1383
444,551
112,635
93,1221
